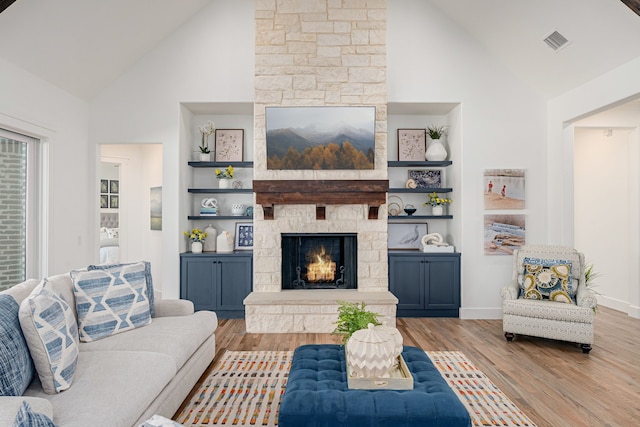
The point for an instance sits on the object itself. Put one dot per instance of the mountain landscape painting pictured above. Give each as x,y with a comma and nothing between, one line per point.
320,137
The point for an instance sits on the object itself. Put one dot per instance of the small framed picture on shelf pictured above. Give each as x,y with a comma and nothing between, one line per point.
404,235
412,144
429,178
104,201
229,145
114,201
244,236
114,186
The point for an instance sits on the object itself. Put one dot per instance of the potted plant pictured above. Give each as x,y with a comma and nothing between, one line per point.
436,151
225,176
206,130
353,317
196,236
437,203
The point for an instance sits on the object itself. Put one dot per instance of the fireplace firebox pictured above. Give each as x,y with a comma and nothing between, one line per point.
319,261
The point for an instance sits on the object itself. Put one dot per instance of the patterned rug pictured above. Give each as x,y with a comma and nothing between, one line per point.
245,389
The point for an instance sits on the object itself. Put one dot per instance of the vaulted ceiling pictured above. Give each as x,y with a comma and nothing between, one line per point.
82,46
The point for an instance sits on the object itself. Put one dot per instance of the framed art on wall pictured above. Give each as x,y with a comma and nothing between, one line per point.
406,236
114,186
412,144
244,236
104,185
426,178
104,201
320,138
229,145
114,201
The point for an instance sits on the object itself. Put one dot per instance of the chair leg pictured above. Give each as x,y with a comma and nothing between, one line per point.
509,336
586,348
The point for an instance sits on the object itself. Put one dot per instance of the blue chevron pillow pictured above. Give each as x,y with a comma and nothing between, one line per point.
111,301
51,331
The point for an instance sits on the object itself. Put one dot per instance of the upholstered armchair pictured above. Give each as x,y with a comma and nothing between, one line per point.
548,297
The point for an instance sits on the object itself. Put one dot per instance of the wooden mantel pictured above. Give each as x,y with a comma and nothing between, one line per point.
321,193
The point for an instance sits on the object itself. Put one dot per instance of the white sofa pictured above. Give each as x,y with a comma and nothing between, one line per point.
124,379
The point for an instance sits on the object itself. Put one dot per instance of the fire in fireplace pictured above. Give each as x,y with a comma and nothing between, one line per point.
319,261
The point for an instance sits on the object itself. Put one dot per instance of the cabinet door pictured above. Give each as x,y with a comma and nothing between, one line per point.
236,276
443,282
198,281
406,281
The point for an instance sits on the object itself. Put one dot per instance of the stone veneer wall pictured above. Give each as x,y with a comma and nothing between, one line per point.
318,53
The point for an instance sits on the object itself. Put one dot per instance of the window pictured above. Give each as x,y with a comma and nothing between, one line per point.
19,209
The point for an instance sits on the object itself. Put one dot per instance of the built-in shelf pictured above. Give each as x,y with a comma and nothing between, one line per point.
417,163
220,190
220,164
407,217
420,190
219,217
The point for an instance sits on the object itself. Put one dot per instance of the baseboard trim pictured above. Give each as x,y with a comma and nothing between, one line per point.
481,313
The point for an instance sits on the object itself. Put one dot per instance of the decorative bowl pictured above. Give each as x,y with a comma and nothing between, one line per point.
410,209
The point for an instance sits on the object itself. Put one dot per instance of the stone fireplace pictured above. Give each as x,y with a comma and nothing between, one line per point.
320,53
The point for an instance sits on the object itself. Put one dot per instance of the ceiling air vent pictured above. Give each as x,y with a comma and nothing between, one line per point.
556,41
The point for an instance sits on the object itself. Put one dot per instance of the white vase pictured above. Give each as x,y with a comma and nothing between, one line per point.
436,151
225,242
210,241
196,247
370,353
205,157
224,183
437,210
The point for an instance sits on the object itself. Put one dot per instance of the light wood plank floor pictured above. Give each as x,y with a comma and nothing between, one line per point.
553,382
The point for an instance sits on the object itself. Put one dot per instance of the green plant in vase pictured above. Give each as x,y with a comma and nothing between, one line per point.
353,317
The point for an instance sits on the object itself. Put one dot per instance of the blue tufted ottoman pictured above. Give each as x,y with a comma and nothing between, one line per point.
317,394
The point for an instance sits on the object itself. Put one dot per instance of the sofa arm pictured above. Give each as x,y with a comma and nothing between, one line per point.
9,406
173,307
510,291
586,298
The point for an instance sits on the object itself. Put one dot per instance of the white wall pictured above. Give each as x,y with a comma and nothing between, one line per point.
209,59
503,124
31,106
601,201
611,89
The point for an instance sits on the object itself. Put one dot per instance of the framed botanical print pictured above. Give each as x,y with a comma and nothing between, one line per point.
229,145
412,144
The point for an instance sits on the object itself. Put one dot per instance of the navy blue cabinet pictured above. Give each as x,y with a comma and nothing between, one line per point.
217,282
426,285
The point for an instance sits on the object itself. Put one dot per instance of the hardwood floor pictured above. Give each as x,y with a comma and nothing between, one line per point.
553,382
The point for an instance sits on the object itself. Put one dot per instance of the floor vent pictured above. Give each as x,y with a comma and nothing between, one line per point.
556,41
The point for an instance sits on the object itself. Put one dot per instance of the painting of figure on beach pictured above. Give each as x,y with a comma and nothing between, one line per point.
503,234
320,138
504,189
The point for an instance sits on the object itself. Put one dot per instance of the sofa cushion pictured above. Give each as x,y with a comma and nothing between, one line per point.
51,332
147,276
110,301
27,417
178,337
16,365
547,282
110,388
550,310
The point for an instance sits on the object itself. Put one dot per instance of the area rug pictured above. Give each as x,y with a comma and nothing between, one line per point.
245,389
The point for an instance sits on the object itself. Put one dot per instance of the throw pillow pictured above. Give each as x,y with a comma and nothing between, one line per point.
26,417
16,366
110,301
547,283
573,283
147,275
51,331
